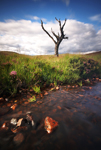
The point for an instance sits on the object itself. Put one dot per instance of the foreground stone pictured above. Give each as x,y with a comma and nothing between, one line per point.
18,139
50,124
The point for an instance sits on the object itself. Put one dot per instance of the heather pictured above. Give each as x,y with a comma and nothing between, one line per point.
35,73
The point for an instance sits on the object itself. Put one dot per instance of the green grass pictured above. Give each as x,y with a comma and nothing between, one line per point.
34,72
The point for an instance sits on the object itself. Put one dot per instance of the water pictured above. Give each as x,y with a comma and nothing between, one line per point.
78,112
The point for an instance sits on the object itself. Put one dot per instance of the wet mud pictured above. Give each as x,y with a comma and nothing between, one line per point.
77,111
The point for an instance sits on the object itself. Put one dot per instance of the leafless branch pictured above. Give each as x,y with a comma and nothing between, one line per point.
57,37
46,31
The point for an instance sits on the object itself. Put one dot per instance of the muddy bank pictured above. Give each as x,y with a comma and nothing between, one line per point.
78,112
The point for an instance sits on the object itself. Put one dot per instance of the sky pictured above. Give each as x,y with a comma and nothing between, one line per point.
21,31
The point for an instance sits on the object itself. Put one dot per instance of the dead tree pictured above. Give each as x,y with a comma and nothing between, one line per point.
59,37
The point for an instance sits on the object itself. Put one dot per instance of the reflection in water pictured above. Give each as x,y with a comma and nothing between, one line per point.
78,112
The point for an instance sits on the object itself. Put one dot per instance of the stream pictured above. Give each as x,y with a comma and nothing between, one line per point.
77,111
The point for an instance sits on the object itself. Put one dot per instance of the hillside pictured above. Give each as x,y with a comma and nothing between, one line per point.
38,72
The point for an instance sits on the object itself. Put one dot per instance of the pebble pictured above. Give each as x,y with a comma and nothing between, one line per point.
18,139
13,121
1,99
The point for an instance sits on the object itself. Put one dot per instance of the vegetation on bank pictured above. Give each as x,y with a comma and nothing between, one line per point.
37,72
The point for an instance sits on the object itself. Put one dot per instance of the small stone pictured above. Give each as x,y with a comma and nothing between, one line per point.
18,129
87,81
18,139
13,121
50,124
15,130
57,88
5,125
97,79
13,106
45,93
1,99
9,104
29,118
90,88
19,122
59,107
6,99
52,89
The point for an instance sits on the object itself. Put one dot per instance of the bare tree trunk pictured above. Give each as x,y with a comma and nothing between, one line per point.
56,49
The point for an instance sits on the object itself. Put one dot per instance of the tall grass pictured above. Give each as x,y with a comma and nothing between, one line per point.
37,71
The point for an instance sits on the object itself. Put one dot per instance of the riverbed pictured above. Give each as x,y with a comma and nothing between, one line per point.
77,111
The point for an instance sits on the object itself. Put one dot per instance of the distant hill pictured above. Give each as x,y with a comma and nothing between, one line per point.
94,53
12,53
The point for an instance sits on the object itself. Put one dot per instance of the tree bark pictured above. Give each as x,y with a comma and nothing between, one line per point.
56,50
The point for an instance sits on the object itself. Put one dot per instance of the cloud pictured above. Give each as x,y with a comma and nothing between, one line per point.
32,17
36,18
96,18
28,37
66,1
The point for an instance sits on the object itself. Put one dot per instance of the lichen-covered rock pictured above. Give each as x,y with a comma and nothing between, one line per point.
50,124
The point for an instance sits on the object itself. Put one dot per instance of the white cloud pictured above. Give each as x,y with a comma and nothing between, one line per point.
29,38
32,17
36,18
96,18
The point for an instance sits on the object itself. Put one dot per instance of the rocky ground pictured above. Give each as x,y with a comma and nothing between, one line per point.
76,110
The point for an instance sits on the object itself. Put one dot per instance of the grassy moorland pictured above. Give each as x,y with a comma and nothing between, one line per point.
36,72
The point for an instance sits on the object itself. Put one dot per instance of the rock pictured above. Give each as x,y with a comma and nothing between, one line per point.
5,125
97,79
50,124
13,121
45,93
100,80
19,122
6,99
90,88
59,107
57,88
18,139
29,118
18,129
13,106
1,99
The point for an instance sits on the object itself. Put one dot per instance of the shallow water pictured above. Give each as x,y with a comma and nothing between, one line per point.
78,112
